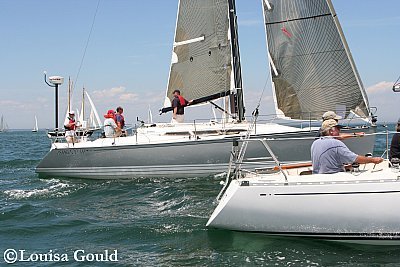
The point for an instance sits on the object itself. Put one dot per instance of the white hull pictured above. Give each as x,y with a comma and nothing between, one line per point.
354,207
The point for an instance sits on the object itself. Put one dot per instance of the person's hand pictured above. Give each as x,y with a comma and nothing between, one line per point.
359,134
377,160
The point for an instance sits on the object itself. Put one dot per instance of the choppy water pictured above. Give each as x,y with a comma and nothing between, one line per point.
150,222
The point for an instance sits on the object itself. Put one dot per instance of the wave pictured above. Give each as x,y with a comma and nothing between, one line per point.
53,188
18,163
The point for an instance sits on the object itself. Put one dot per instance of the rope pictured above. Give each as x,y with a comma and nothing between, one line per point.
86,46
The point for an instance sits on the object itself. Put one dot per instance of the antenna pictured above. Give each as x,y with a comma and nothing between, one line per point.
54,81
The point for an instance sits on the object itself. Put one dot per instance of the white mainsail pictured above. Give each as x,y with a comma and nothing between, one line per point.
3,125
311,64
35,127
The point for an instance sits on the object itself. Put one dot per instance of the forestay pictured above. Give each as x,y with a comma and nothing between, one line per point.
312,68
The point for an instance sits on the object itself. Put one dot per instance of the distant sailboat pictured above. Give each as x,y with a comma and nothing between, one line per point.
3,125
35,127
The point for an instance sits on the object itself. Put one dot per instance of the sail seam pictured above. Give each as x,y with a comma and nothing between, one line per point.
290,20
316,53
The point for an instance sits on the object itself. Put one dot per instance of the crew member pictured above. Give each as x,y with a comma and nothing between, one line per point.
328,154
70,127
395,144
330,115
120,120
178,104
111,129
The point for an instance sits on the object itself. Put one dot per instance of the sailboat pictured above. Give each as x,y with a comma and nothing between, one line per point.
206,66
357,206
35,127
3,125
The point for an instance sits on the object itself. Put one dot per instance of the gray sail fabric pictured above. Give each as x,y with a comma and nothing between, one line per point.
201,68
315,72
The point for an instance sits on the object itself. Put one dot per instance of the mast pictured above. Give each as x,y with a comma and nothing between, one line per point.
69,95
236,100
83,105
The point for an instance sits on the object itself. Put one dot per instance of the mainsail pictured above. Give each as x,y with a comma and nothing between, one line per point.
203,59
3,125
312,67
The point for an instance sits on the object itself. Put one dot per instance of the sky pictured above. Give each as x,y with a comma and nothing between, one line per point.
127,58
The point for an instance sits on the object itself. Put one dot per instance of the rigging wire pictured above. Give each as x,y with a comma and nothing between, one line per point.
261,96
396,82
86,46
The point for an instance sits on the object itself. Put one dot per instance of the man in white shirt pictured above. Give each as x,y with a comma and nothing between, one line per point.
111,129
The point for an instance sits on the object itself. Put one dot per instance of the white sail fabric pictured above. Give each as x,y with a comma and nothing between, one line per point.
201,58
95,121
3,125
311,65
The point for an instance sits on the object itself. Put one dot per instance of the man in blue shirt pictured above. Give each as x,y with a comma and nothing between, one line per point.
329,155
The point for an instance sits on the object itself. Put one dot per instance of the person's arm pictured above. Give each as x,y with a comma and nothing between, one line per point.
350,135
175,111
117,129
361,159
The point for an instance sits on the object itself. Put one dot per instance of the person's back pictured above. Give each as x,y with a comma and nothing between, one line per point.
329,154
395,144
111,129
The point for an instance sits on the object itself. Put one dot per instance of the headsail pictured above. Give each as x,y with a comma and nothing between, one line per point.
312,67
201,65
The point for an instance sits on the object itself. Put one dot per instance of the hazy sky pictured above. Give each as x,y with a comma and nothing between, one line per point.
128,56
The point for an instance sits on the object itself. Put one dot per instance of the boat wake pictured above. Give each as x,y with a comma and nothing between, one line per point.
53,188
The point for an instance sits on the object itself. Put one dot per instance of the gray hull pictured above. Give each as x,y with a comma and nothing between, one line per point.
192,158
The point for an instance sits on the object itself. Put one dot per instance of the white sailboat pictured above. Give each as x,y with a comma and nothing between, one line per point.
206,67
35,127
3,125
358,206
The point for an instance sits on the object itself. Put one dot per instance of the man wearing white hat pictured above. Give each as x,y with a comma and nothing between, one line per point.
330,115
328,154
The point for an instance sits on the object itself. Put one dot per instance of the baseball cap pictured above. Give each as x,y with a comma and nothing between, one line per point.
329,124
331,115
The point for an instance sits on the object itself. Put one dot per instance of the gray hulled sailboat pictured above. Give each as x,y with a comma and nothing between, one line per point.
206,66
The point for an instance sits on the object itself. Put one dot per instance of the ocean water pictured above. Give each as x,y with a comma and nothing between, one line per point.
145,222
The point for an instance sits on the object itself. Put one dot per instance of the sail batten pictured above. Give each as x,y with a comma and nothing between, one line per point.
312,68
